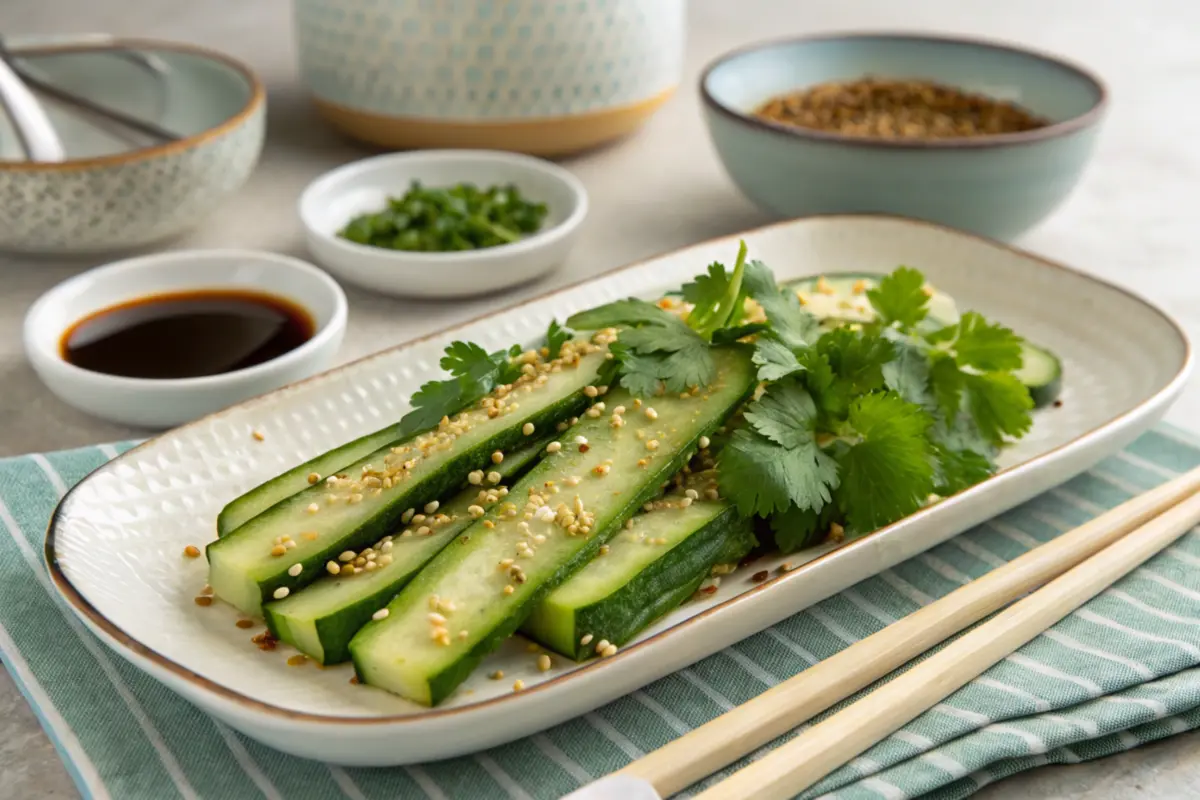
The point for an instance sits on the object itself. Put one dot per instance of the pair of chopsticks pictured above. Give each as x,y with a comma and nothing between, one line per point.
1070,570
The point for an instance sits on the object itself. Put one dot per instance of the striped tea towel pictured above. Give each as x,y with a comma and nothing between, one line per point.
1121,671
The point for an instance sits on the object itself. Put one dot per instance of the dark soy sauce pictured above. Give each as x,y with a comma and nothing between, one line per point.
187,334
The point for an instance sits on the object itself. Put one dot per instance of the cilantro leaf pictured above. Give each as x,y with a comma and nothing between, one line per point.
794,326
856,357
963,456
831,395
946,383
680,358
785,414
900,298
796,529
888,473
774,359
629,311
434,400
762,477
716,297
907,374
556,337
986,346
638,373
462,357
999,405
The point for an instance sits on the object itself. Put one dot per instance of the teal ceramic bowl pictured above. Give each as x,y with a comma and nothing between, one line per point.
998,185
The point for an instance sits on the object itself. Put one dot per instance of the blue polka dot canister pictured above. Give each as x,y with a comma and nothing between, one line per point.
544,77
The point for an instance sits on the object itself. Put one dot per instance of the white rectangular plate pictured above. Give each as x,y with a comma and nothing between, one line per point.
114,545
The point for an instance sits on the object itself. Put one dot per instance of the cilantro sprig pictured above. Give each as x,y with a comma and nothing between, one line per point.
858,425
474,371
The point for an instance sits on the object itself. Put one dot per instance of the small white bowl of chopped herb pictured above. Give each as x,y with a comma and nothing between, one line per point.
443,223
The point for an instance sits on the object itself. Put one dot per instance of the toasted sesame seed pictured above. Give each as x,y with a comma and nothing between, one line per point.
509,589
593,413
380,614
603,549
258,436
704,442
204,600
518,685
313,508
278,550
431,507
418,519
497,675
313,477
295,569
463,634
497,457
191,551
281,592
289,544
354,498
332,567
652,444
424,530
310,536
347,555
581,440
527,429
586,640
543,663
494,477
600,470
601,645
591,391
611,650
650,413
685,502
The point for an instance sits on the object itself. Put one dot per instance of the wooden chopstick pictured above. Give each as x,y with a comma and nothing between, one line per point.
787,705
801,762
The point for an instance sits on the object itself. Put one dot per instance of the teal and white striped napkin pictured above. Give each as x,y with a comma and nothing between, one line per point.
1122,671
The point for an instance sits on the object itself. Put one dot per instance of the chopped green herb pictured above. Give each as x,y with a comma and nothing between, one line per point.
556,337
476,372
460,217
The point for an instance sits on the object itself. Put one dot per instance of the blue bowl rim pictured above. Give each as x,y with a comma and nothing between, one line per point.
1088,118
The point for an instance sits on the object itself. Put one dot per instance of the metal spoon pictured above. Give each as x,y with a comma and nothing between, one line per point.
38,138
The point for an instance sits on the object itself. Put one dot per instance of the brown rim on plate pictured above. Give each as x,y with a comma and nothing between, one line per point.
1072,125
257,96
83,607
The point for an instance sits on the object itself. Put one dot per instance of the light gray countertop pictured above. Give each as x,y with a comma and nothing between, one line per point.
1133,220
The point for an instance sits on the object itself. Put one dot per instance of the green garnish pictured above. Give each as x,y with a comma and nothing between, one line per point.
460,217
475,372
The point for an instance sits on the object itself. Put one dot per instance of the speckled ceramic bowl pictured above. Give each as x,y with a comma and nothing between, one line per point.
116,190
543,77
998,186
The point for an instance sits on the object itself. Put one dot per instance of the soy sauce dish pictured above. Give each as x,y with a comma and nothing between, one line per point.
534,190
160,340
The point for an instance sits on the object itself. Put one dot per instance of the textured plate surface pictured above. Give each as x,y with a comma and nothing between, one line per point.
115,543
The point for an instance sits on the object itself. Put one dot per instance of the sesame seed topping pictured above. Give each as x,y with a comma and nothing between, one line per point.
497,457
586,640
603,549
313,508
509,589
600,470
591,391
593,413
191,551
475,511
652,444
347,555
258,436
704,442
431,507
518,685
203,600
332,567
278,550
281,593
380,614
424,530
295,569
313,477
494,477
581,440
692,493
611,650
651,413
543,663
571,480
527,429
685,502
602,644
497,675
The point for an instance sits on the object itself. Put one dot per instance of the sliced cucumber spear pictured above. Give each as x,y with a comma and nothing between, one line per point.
651,567
480,588
281,487
1041,372
288,546
319,620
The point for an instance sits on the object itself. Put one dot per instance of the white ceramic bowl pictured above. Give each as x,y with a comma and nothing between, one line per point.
363,186
152,403
118,190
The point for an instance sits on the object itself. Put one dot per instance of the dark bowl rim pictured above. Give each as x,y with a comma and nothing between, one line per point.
1054,130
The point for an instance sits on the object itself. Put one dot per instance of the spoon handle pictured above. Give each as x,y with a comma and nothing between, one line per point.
37,135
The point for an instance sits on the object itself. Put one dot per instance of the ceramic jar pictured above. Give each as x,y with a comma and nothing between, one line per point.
546,77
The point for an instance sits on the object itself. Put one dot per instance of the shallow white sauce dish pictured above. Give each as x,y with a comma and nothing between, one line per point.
155,403
364,186
113,547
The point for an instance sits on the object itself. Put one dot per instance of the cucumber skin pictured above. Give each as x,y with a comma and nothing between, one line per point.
225,523
442,684
662,586
336,630
446,480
